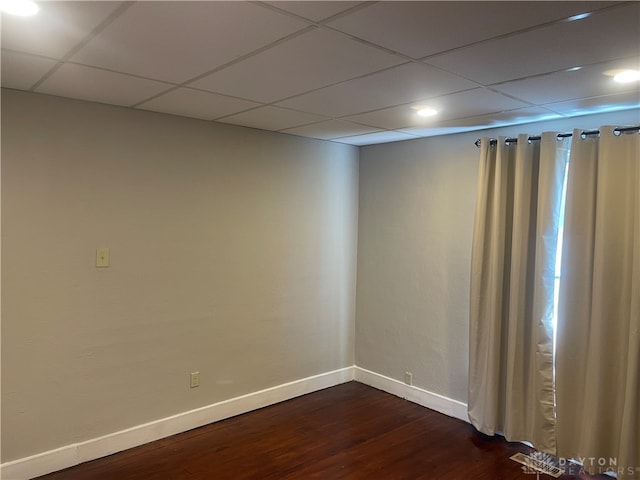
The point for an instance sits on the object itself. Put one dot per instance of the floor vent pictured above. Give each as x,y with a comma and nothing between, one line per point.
538,462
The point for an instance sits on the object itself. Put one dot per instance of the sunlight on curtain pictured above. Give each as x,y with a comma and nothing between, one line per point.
558,265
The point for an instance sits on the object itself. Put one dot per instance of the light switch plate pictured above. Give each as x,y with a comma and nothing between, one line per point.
102,257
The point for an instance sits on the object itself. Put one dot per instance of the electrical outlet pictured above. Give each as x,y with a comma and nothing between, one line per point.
195,379
408,378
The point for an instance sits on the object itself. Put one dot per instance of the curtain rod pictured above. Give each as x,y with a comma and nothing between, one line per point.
619,130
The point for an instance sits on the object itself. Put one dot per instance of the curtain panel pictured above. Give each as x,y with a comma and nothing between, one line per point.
511,377
598,336
581,399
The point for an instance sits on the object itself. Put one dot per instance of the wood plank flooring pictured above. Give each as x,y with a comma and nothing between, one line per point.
350,431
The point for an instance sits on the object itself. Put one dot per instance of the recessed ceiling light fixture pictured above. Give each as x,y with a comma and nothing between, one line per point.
425,111
627,76
580,16
22,8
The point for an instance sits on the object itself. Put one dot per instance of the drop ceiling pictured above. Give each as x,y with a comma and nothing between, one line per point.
348,72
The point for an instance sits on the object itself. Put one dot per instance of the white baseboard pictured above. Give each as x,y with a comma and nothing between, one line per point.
434,401
70,455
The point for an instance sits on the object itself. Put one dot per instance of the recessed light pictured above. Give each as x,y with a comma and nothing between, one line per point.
579,16
424,111
573,69
22,8
627,76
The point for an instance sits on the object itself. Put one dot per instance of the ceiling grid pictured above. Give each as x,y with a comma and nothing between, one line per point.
346,71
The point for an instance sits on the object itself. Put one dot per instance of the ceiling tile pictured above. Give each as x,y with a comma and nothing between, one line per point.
315,11
397,85
272,118
552,48
56,29
312,60
176,41
492,120
416,28
330,129
378,137
456,105
604,103
588,81
22,71
197,104
87,83
392,118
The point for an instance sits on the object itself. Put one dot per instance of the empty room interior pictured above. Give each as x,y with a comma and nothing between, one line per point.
320,239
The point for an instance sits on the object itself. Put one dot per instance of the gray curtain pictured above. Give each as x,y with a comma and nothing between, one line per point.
511,378
598,337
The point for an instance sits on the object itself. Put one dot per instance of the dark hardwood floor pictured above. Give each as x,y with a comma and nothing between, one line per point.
350,431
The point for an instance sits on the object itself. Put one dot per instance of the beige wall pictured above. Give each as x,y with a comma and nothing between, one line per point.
416,208
232,253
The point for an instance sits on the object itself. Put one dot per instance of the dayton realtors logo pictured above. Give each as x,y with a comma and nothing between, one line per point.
597,465
537,462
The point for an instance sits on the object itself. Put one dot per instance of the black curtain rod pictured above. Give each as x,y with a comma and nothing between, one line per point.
493,141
